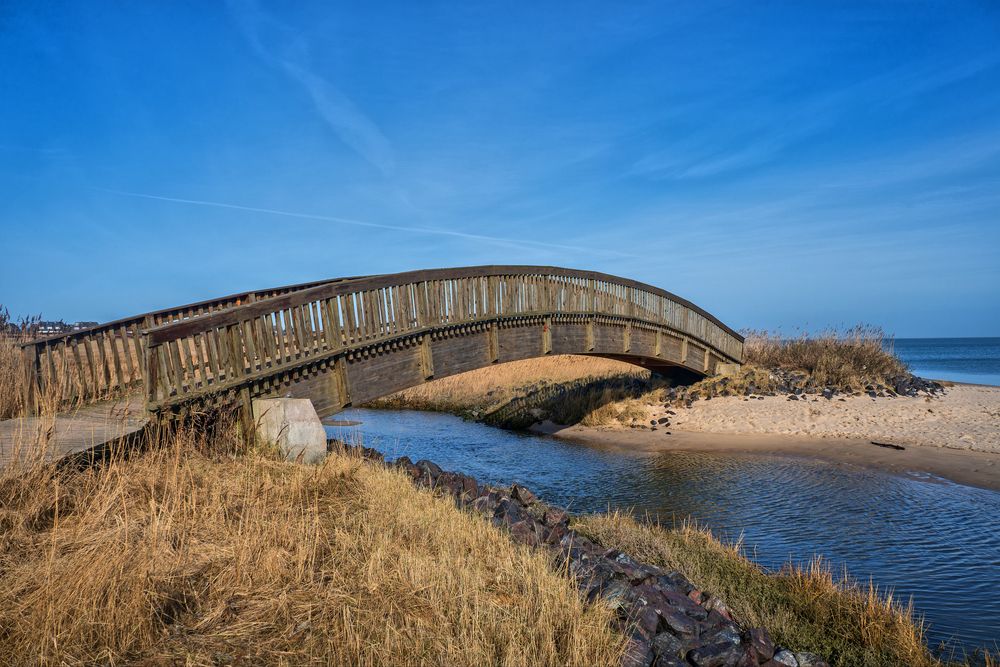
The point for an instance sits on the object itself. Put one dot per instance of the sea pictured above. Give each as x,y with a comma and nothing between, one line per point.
971,360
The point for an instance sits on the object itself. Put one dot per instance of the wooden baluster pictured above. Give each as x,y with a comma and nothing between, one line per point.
176,367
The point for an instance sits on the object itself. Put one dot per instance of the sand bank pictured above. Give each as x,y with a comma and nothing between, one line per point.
955,436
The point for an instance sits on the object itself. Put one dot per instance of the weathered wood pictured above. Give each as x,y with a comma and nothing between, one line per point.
219,353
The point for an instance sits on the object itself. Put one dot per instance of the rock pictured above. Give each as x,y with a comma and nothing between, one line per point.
666,644
509,512
429,469
715,604
555,517
616,595
680,623
793,397
663,420
715,655
522,495
727,634
638,652
785,657
647,622
470,487
760,641
524,532
483,504
810,660
555,534
670,661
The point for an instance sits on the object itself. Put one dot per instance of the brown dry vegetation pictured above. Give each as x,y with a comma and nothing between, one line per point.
487,388
802,607
846,360
11,372
182,557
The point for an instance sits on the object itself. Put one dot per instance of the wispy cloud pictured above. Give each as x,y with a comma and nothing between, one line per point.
521,243
290,56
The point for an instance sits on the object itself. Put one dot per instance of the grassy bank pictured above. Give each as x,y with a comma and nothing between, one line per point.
846,360
802,607
182,557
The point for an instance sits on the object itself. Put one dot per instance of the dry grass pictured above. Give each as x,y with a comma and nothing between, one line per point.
847,360
181,557
11,372
487,388
806,608
606,411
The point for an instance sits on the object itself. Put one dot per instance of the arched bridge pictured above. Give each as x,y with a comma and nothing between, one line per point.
347,341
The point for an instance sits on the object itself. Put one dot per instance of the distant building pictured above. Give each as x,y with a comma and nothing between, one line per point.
51,328
55,327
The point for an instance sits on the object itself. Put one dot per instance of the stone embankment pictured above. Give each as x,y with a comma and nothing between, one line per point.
797,385
669,622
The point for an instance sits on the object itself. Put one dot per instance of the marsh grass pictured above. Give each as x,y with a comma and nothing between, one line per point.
12,334
846,360
806,607
190,555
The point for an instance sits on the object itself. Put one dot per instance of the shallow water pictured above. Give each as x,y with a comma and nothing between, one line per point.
924,537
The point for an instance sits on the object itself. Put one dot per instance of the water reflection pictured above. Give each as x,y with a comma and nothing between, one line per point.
930,539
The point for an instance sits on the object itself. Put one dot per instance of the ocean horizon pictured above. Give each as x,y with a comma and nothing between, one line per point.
970,360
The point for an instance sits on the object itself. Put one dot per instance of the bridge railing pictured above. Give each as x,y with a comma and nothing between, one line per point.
230,348
109,360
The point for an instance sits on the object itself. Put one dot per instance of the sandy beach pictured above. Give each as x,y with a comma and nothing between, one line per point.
955,436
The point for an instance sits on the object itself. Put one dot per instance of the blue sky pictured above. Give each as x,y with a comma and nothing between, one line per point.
782,164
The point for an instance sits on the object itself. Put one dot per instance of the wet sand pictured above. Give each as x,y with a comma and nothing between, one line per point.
972,468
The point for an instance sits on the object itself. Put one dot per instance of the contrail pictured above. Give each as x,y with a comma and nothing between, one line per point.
366,223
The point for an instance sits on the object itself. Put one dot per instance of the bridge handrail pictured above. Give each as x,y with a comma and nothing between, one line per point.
224,349
107,359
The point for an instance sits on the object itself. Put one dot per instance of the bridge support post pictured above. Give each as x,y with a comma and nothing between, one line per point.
627,338
547,335
293,426
342,384
426,358
494,343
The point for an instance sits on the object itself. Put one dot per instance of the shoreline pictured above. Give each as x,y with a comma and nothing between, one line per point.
960,466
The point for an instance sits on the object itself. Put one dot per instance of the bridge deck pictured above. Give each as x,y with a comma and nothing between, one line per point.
344,342
71,432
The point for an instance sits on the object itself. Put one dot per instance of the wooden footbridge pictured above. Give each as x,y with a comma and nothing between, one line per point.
350,340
